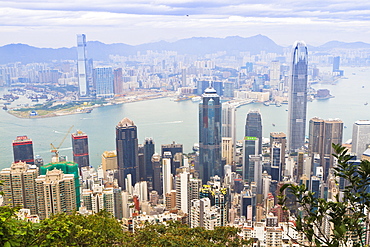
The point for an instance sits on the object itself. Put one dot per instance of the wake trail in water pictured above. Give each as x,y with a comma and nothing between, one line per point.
171,122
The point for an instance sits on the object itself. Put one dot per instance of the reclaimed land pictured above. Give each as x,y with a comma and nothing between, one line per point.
53,109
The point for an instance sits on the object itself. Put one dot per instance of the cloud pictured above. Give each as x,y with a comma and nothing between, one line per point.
139,21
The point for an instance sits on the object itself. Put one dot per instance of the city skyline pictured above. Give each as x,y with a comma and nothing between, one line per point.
54,24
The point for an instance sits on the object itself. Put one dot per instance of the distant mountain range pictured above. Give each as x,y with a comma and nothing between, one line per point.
195,46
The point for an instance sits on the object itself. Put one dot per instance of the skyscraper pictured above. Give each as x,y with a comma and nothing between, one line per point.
333,133
55,193
166,172
80,149
148,153
322,133
127,151
336,63
210,135
228,89
316,135
360,137
103,78
157,168
67,168
118,81
252,140
19,186
23,150
109,160
274,73
228,121
278,140
297,97
173,148
81,66
253,127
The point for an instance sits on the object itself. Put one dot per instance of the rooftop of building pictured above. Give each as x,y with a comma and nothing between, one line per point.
126,122
110,154
278,134
79,133
67,163
363,122
210,92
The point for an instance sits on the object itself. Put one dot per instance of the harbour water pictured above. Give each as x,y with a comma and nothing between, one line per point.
166,121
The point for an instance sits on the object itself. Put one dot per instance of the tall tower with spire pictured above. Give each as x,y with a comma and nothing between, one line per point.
127,151
210,124
297,97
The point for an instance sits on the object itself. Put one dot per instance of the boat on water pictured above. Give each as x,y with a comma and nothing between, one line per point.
181,98
366,103
273,125
196,99
278,104
266,103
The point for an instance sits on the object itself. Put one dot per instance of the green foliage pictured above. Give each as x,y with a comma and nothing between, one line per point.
177,234
77,230
14,232
102,229
48,106
346,213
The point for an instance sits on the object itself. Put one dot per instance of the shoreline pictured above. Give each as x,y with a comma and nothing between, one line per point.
85,110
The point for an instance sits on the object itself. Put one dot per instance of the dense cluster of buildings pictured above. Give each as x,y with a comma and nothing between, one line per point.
224,182
260,77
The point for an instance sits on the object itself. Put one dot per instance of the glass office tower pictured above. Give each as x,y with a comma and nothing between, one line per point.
297,97
210,135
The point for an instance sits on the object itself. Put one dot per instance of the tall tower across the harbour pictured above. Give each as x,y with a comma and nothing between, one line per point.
297,97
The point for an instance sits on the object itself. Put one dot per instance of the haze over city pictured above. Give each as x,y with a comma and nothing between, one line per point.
223,116
54,24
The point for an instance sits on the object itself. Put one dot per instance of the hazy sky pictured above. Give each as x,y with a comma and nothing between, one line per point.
54,23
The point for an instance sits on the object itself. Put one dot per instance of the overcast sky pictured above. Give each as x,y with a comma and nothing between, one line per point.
54,23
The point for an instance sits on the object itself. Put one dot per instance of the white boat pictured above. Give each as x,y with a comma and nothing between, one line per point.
196,99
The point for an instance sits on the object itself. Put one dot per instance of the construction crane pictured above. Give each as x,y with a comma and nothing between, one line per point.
55,150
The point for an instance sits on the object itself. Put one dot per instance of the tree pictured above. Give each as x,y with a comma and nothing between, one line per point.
99,229
14,232
345,216
177,234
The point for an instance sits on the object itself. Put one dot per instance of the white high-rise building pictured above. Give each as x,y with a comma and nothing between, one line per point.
182,180
19,186
229,125
81,66
187,189
274,74
360,137
167,176
141,190
55,193
202,214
